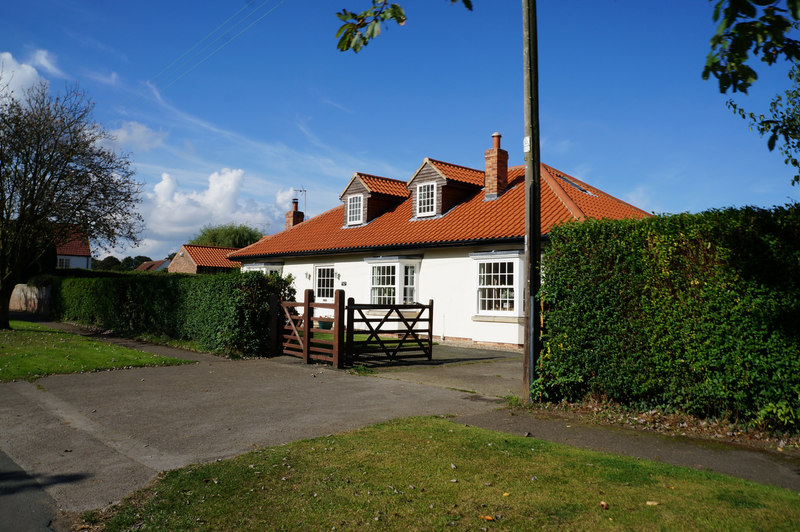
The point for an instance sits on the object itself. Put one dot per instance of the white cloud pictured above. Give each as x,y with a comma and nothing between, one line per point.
47,62
641,197
174,215
110,79
133,135
284,196
18,76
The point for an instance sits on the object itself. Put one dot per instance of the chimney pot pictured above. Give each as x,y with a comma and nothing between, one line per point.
496,140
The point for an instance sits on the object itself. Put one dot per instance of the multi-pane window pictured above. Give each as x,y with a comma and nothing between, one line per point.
354,209
409,273
496,286
383,285
62,263
426,199
324,282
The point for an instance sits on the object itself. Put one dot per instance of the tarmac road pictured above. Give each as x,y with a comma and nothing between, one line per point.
71,443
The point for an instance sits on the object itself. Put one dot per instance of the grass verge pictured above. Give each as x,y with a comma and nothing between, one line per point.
430,473
30,351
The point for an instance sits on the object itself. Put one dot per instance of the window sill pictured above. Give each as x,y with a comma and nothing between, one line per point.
519,320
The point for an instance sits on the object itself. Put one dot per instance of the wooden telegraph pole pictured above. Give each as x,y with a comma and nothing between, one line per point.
533,217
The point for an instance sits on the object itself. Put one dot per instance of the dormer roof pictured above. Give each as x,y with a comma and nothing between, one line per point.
451,172
379,185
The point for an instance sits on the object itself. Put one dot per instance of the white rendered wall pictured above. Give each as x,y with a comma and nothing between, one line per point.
448,276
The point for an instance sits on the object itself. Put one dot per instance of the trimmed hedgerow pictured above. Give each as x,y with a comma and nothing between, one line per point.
226,313
699,313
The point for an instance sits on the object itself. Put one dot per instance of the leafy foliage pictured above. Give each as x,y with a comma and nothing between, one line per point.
699,313
359,28
759,27
225,313
763,28
57,180
228,235
783,125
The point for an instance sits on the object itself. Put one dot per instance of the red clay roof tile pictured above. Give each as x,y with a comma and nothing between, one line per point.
384,185
75,245
211,256
473,220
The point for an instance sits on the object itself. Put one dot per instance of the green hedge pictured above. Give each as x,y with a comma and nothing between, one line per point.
699,313
226,313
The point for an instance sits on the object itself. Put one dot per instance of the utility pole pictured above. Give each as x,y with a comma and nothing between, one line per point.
533,216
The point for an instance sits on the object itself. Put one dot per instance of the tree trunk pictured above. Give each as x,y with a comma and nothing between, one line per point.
5,299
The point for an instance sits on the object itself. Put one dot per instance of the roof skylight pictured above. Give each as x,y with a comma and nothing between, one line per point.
574,184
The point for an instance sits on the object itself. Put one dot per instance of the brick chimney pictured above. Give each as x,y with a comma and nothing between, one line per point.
496,177
293,217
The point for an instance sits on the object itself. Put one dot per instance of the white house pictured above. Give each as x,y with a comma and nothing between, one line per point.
450,233
73,251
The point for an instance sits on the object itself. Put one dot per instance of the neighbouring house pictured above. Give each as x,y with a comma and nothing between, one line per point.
153,266
202,259
74,252
450,233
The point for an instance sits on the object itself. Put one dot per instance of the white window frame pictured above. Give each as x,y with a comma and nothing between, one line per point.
399,285
264,267
515,260
63,263
355,216
427,200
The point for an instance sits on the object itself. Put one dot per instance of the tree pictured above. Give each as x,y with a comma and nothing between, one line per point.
131,263
359,28
229,236
763,28
110,263
56,177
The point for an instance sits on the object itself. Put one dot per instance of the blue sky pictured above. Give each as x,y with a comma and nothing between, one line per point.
229,108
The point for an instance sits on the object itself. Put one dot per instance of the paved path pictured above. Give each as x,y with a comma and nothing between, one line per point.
91,439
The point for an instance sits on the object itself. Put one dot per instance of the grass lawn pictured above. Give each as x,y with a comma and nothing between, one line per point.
30,351
433,474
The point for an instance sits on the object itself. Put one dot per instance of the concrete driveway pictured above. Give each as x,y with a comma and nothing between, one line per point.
90,439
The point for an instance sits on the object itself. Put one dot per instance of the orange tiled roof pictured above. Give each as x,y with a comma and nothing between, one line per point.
150,265
211,256
454,172
473,220
75,245
384,185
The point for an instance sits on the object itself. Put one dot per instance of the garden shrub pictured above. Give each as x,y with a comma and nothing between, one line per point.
226,313
699,313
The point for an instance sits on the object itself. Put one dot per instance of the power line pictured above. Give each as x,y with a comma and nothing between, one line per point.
226,43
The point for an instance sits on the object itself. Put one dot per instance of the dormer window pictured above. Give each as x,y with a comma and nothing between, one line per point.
426,199
355,211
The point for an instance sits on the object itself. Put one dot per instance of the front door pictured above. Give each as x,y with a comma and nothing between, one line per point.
323,284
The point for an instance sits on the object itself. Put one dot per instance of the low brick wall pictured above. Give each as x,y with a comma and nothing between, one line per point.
33,299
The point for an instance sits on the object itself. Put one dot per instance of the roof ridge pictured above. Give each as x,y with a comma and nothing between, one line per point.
212,247
456,165
561,194
380,177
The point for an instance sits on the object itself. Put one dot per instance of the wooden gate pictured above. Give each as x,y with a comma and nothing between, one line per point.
314,338
397,331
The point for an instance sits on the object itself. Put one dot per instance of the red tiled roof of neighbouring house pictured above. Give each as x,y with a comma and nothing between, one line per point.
150,266
75,244
563,198
211,256
384,185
